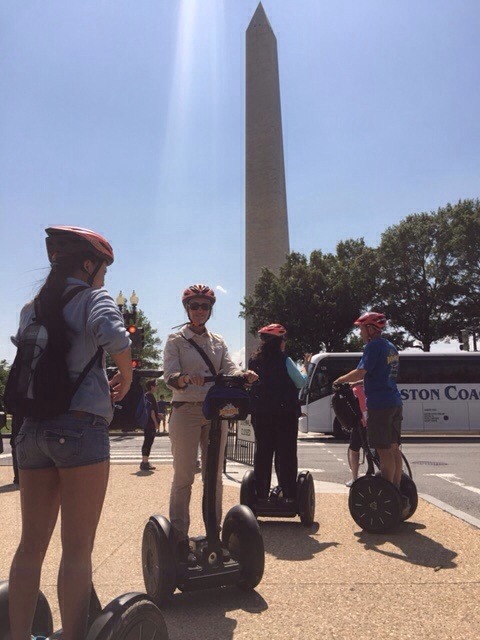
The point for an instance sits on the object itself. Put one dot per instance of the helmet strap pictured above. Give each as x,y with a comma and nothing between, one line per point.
91,276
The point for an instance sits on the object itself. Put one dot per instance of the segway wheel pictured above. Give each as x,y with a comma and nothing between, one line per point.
158,560
129,617
409,488
306,498
42,619
375,504
248,492
241,536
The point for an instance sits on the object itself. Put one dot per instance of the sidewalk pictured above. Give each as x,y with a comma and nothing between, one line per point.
330,582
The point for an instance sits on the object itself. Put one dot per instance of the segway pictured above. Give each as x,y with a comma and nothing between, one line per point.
132,615
239,557
374,503
275,506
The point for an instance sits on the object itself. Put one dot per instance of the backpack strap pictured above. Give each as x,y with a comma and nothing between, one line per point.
202,353
98,355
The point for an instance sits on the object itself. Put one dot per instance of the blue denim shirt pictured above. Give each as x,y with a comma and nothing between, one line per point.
94,320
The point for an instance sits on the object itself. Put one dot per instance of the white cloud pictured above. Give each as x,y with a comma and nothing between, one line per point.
239,357
220,288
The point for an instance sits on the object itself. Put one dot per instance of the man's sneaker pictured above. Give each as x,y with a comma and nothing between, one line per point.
406,506
146,466
349,483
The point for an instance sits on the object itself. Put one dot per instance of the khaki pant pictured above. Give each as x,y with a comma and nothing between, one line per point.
188,428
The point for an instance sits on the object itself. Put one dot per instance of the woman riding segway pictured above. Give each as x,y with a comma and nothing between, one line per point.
192,354
275,412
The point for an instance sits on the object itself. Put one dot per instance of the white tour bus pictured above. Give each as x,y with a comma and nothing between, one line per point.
440,392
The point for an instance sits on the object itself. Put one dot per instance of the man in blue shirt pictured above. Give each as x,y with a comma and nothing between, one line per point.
378,368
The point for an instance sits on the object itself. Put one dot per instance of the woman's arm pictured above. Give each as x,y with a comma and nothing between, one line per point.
122,380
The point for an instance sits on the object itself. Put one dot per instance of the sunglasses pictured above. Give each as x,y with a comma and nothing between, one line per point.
204,306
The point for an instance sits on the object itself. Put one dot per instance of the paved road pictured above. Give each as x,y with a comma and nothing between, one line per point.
447,471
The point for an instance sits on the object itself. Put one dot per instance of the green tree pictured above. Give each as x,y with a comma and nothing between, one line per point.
462,224
4,371
317,299
419,288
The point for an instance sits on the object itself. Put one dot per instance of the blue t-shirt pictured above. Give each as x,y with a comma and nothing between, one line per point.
380,360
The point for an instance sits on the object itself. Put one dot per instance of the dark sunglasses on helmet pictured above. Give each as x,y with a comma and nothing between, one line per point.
204,306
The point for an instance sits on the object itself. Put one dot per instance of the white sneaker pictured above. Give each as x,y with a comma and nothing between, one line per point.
349,483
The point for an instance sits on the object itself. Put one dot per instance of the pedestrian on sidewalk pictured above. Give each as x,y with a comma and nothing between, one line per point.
185,371
151,428
275,412
378,368
63,459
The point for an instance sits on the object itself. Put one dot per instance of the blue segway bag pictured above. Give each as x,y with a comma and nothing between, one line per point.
226,403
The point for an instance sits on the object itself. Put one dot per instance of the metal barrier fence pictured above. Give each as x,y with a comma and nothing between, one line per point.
239,449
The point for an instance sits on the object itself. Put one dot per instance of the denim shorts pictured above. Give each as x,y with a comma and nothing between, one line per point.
64,441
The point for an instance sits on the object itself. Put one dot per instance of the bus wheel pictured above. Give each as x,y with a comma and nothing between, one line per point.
339,432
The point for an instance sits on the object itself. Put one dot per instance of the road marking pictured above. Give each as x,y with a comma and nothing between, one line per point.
454,479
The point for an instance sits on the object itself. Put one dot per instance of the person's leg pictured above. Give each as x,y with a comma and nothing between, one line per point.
262,465
82,496
379,430
396,440
184,431
354,462
387,463
40,501
149,437
353,453
287,433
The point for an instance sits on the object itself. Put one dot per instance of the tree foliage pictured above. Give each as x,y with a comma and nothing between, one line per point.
316,299
425,276
419,287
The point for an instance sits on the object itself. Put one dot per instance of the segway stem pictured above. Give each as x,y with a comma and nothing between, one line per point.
210,488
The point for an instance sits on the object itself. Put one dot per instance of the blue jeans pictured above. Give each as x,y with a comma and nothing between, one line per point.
64,441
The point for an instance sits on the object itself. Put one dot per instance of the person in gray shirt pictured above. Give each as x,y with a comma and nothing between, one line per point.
64,460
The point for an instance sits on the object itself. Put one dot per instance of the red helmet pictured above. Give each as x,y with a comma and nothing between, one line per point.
377,320
68,241
198,291
274,330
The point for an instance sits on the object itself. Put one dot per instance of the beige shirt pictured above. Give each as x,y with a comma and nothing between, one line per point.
180,356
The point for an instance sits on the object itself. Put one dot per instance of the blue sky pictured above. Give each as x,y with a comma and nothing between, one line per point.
128,118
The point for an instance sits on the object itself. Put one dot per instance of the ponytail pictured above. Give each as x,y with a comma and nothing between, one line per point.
50,304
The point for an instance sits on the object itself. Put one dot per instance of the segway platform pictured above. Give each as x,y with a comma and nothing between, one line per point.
239,557
374,503
275,506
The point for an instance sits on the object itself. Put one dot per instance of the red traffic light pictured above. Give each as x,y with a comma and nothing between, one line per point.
136,363
132,329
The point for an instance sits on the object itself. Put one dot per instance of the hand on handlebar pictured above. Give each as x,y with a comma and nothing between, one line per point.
251,376
195,379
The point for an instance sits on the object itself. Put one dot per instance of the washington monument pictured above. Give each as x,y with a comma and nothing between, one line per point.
266,234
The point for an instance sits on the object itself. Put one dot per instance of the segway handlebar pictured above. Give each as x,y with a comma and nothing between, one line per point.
226,381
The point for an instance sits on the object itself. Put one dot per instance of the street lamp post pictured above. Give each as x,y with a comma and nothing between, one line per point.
134,302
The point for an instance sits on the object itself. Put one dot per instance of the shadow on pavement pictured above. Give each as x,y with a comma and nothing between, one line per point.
203,614
8,488
291,540
414,547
